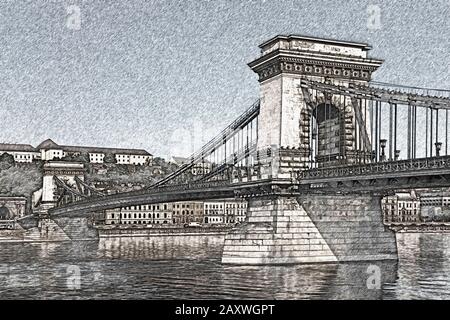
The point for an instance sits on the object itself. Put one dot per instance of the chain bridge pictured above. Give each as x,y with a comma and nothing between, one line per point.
313,156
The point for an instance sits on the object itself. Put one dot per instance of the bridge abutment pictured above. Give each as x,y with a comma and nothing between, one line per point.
312,229
278,231
352,225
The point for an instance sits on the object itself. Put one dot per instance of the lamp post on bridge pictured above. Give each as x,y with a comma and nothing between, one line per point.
383,146
438,148
340,159
397,155
373,156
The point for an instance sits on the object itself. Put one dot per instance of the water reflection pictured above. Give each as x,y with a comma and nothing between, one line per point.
189,268
45,249
161,248
424,261
158,268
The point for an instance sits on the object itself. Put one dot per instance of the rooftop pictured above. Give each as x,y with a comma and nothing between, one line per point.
316,49
141,152
360,45
50,144
5,197
47,144
17,147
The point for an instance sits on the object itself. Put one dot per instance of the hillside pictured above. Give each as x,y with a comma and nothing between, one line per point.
22,179
19,179
116,177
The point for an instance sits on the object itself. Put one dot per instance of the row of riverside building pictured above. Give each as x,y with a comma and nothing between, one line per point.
421,206
403,207
226,211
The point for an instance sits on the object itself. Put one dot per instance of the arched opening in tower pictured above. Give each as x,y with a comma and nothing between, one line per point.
325,135
5,213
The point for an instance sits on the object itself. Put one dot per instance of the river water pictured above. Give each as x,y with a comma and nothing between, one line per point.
190,268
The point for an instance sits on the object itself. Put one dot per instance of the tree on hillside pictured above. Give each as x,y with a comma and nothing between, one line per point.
157,161
109,158
6,161
82,157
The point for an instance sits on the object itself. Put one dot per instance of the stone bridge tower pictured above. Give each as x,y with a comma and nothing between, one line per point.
59,229
287,110
304,126
65,171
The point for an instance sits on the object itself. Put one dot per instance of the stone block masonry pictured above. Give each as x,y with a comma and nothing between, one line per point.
76,228
352,226
278,231
311,229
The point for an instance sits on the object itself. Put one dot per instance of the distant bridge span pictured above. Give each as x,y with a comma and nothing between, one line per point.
187,192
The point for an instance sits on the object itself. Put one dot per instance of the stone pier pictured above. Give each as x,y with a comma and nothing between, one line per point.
313,229
352,225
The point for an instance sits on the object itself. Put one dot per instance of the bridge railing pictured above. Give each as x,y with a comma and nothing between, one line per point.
439,93
377,168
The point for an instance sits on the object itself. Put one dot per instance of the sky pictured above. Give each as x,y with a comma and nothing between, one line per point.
167,76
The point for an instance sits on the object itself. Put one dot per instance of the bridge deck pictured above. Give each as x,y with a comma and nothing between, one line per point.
373,177
187,192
